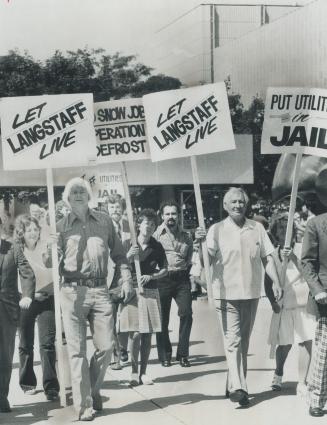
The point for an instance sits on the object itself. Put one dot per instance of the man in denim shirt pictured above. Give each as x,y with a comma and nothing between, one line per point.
85,238
178,246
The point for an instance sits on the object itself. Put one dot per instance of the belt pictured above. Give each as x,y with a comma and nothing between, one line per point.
90,283
178,274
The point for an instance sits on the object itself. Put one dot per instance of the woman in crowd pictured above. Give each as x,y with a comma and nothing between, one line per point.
27,233
142,316
291,323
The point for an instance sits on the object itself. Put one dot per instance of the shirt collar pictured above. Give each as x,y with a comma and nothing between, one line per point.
118,225
248,224
162,229
90,213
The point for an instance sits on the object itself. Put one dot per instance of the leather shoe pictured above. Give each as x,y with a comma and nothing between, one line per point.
244,402
237,395
316,411
4,406
52,395
123,355
184,362
166,363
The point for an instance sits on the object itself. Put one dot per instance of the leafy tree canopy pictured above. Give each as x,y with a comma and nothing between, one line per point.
85,70
115,76
250,121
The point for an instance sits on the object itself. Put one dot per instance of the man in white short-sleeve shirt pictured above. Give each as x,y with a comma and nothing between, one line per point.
238,247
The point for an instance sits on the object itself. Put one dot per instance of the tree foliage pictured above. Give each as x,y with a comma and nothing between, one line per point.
155,83
20,75
85,70
250,121
115,76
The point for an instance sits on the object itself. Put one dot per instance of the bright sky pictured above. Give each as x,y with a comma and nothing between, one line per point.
42,26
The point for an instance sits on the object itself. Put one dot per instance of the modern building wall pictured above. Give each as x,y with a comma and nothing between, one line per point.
182,48
291,51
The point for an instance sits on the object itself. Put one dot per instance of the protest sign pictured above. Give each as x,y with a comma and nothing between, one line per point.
45,132
40,132
109,184
295,121
121,136
120,131
103,184
192,121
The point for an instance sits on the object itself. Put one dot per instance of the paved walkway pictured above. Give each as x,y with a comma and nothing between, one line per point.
190,396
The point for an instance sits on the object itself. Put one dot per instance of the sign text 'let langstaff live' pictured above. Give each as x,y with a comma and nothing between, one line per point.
188,122
201,117
40,129
51,131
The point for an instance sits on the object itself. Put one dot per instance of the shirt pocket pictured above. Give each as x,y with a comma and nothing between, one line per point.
101,232
253,246
182,248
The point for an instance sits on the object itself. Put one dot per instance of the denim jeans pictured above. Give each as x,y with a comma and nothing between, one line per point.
181,292
81,304
43,311
237,320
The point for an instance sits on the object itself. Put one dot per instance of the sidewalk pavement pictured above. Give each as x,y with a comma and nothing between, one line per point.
189,396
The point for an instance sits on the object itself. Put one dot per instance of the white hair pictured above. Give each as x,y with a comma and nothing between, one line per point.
76,181
232,190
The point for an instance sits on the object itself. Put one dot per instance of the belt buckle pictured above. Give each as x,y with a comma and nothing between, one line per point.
69,284
89,283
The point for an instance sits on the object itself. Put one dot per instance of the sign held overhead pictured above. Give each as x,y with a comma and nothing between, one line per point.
120,131
188,122
295,121
52,131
